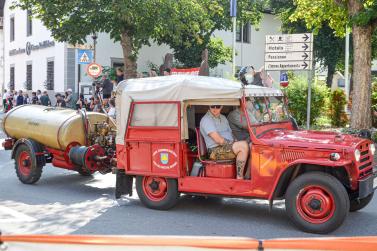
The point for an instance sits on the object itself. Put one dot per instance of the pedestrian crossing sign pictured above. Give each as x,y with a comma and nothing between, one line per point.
84,56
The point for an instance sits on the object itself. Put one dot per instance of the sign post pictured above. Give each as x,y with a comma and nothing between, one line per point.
233,14
291,52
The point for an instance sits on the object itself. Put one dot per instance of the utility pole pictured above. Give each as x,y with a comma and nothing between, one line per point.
94,37
233,14
346,65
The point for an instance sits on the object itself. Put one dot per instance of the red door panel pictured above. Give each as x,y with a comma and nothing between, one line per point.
140,157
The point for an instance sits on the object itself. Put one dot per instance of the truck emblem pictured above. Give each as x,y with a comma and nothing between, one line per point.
164,157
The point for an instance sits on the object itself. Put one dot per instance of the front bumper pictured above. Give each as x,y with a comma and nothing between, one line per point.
367,185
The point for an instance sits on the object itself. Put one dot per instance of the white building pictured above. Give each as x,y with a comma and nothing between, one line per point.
33,60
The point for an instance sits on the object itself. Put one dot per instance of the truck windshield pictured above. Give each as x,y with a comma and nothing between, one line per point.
266,110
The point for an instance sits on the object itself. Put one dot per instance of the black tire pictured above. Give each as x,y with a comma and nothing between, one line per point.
304,202
169,199
35,172
84,173
356,205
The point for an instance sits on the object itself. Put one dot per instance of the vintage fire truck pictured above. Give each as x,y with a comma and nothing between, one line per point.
157,142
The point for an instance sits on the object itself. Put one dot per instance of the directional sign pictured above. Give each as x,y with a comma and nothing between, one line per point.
287,56
291,65
288,52
289,47
289,38
84,56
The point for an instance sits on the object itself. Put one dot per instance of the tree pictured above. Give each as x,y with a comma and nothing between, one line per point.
361,15
328,48
188,49
138,22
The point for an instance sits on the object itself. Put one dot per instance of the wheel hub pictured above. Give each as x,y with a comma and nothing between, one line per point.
24,163
315,204
155,188
154,185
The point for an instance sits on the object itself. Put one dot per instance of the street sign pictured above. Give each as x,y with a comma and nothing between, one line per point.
290,65
84,56
94,70
287,56
289,47
288,52
289,38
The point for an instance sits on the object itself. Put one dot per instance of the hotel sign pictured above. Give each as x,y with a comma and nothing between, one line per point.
32,47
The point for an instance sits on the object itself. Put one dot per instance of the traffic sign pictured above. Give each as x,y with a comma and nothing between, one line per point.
287,56
94,70
289,47
290,65
84,56
289,38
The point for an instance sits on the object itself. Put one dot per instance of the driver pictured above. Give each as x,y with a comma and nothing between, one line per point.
219,139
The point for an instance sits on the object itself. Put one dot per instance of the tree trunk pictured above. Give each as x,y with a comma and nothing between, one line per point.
362,54
330,74
129,60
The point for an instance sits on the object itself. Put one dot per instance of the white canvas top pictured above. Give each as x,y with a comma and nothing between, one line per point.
178,88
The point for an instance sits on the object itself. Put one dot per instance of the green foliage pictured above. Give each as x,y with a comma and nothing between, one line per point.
297,92
337,114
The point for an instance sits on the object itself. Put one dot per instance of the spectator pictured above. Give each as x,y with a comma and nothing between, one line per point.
45,100
86,104
9,103
111,111
69,99
60,102
20,99
5,97
34,98
96,106
107,87
26,99
80,102
119,75
167,72
39,95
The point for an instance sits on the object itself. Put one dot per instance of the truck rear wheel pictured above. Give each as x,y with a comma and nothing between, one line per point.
157,192
27,169
356,205
317,202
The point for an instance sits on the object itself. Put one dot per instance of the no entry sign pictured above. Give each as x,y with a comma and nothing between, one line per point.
94,70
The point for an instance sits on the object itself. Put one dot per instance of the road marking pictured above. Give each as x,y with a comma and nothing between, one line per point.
15,216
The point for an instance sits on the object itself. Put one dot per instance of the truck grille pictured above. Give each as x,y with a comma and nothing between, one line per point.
366,159
292,155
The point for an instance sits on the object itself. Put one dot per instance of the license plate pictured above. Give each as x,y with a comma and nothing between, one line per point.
375,183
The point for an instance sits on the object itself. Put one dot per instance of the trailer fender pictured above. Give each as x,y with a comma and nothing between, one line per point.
36,149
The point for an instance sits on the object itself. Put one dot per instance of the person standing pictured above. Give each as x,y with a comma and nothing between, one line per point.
5,97
20,98
34,98
60,102
45,100
120,75
69,99
107,87
26,98
111,111
39,95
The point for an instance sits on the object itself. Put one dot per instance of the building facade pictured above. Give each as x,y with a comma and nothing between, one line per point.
35,61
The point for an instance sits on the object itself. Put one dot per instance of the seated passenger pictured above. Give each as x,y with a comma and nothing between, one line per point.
238,123
219,139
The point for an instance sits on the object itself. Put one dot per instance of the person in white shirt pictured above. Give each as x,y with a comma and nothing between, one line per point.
111,111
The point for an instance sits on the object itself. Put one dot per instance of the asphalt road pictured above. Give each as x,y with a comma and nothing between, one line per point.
64,202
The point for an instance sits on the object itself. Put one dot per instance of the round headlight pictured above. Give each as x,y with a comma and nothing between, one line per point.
334,156
372,148
357,155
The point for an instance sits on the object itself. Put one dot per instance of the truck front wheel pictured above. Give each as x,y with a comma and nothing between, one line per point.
157,192
27,169
317,202
357,205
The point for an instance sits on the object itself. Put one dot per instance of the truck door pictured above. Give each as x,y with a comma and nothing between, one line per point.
153,139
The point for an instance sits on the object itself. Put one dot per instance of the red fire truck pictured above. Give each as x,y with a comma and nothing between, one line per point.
321,175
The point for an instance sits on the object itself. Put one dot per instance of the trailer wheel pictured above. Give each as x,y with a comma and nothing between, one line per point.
157,192
357,205
27,169
317,202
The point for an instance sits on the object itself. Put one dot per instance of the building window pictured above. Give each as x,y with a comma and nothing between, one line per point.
29,77
50,75
29,23
11,78
243,33
11,29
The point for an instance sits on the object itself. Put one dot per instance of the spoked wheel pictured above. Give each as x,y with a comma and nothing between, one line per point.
27,170
317,202
157,192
